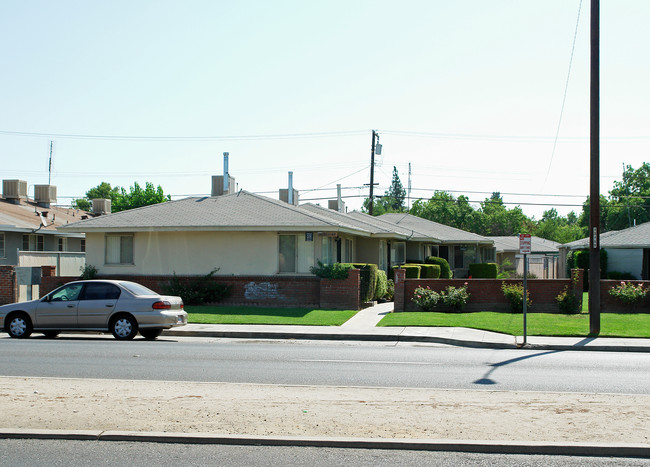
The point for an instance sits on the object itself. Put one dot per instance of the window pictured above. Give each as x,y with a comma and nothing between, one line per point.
33,243
328,250
287,253
348,250
119,249
101,291
63,244
429,250
397,253
489,254
83,244
67,293
2,245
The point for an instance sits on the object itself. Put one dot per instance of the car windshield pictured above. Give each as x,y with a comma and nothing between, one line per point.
137,289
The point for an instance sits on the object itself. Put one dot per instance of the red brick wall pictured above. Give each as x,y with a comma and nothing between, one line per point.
341,294
8,292
486,294
609,304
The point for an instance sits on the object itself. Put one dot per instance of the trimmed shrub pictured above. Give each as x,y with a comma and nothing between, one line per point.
483,270
445,270
331,271
198,290
568,302
429,271
412,270
368,275
621,276
381,286
390,289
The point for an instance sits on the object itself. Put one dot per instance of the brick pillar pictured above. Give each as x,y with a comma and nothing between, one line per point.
577,277
399,299
341,294
48,271
8,289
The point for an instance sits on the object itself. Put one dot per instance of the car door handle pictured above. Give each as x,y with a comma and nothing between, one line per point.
109,305
70,306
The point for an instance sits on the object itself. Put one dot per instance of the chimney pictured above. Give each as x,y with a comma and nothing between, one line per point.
289,195
223,184
337,204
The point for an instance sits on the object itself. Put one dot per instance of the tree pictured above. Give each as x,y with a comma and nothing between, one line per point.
101,191
443,208
122,200
559,229
498,220
630,198
138,197
392,201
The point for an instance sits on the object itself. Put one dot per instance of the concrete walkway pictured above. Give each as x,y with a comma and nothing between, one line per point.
363,327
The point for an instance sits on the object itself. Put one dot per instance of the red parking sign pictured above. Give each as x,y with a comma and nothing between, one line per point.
524,244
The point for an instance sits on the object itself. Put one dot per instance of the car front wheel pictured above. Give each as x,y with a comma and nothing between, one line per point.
124,327
19,326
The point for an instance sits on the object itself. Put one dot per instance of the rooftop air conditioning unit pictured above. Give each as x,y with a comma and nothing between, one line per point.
284,196
334,205
217,185
14,190
101,206
44,195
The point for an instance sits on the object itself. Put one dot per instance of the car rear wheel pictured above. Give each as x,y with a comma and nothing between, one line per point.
51,334
19,326
150,333
124,327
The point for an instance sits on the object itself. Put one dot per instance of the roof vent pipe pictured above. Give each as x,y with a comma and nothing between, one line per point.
226,176
290,191
339,205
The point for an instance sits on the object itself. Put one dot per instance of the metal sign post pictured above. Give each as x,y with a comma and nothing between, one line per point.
525,249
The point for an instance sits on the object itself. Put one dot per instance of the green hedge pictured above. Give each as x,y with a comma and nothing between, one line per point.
412,270
429,271
445,270
483,270
580,260
381,286
368,273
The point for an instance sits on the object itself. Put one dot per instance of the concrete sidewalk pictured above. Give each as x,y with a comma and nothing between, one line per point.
363,327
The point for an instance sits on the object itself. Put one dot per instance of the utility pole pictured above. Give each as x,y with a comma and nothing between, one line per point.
409,193
594,193
372,171
49,169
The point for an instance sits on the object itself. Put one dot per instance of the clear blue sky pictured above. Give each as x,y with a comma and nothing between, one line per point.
482,83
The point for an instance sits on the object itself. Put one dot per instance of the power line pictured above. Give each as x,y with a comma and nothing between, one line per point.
566,88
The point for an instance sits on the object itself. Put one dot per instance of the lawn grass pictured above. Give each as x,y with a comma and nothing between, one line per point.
255,315
538,324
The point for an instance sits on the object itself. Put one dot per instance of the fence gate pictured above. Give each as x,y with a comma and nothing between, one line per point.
28,280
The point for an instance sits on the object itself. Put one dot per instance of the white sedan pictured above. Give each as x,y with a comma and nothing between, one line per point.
120,307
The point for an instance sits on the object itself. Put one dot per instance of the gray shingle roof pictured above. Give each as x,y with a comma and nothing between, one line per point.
632,237
443,233
538,245
237,211
377,229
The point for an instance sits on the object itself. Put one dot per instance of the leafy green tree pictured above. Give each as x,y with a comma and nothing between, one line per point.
630,198
137,197
392,201
443,208
498,220
559,229
122,200
101,191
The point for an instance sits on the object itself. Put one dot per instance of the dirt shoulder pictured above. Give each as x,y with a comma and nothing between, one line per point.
255,409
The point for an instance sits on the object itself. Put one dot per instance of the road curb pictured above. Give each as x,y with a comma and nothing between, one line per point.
482,446
403,338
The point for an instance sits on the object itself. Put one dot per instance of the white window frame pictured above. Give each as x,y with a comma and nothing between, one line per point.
394,246
62,244
117,241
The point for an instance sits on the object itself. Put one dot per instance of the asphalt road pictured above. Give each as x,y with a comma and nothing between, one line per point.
107,453
326,363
